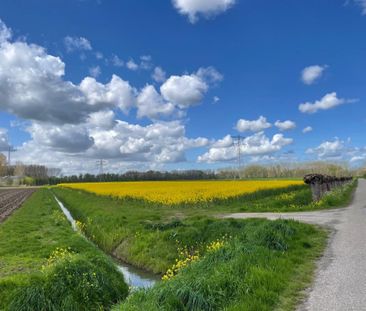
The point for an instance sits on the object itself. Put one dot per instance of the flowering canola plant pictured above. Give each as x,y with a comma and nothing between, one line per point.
186,257
177,192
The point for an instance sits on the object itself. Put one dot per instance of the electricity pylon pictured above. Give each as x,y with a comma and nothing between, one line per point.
238,141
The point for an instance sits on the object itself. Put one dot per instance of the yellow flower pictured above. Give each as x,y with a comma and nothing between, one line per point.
183,192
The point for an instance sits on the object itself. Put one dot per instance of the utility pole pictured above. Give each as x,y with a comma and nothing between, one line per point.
100,164
10,150
238,141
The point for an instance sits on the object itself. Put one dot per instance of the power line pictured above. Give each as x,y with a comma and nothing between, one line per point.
238,141
10,150
100,164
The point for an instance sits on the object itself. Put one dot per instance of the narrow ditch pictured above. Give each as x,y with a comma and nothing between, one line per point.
133,276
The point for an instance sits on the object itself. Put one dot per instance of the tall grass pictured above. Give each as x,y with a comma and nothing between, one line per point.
34,275
146,235
253,271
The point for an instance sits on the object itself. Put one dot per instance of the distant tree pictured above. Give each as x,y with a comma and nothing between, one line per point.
53,171
3,166
19,169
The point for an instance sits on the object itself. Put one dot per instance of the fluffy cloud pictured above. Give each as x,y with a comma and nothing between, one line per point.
71,125
225,142
104,119
116,93
256,145
32,87
145,63
5,32
209,74
329,149
184,90
116,61
74,148
339,150
4,143
77,44
159,75
329,101
252,125
312,73
285,125
194,8
160,142
67,138
150,104
307,129
132,65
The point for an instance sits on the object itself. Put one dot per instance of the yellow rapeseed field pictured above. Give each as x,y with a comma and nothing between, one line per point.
175,192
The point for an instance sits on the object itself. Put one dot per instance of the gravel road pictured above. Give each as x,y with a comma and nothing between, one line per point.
340,282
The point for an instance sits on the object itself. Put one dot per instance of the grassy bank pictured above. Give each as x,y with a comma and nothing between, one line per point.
263,267
44,265
149,236
259,265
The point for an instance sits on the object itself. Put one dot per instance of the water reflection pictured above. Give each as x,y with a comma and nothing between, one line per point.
133,276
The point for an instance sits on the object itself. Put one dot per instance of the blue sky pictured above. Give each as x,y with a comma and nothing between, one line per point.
77,82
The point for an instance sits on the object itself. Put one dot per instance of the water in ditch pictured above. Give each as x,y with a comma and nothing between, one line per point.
133,276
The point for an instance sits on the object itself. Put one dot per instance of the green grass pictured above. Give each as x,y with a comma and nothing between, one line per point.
145,235
263,267
83,278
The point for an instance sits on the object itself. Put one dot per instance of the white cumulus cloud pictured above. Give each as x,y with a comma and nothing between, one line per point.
312,73
329,101
132,65
117,92
207,8
73,124
257,144
159,75
32,86
329,149
252,125
5,32
185,91
285,125
150,104
77,44
66,138
307,129
117,62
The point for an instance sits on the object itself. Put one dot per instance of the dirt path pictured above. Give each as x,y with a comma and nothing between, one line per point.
340,282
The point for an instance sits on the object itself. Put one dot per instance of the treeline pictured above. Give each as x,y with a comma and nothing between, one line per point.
32,171
130,176
41,175
287,171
